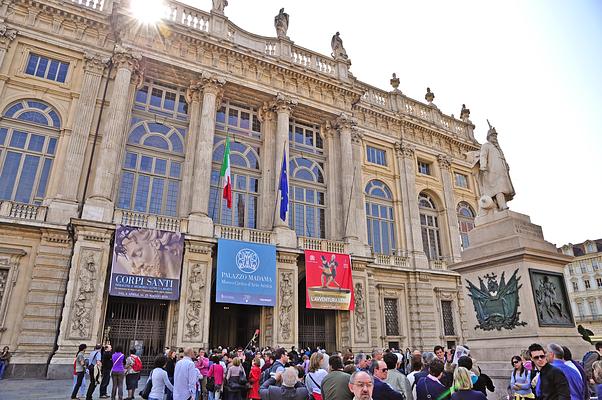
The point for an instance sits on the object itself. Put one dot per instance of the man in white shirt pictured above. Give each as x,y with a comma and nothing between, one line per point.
186,377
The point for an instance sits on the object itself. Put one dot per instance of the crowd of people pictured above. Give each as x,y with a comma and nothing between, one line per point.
538,373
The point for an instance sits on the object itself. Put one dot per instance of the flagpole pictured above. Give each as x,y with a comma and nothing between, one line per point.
349,202
219,181
279,178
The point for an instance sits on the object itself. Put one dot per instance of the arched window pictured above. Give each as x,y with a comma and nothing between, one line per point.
429,223
379,217
465,222
152,168
29,133
307,195
244,165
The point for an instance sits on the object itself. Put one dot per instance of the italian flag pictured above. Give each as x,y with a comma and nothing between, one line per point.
225,174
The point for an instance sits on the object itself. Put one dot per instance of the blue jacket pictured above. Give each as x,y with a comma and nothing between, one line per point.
573,377
383,391
428,389
521,380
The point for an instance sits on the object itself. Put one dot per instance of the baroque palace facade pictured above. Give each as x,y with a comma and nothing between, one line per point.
106,121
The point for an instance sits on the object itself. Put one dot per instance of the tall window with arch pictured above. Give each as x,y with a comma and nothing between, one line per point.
151,175
429,224
466,217
307,188
29,132
242,124
379,217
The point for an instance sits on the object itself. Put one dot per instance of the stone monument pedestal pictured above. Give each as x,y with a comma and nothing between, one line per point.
515,294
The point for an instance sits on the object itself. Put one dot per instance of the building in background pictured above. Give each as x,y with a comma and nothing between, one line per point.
584,282
106,121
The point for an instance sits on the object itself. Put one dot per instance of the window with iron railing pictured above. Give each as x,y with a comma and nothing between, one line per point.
448,318
391,317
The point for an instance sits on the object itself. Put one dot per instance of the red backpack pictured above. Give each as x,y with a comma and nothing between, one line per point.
137,367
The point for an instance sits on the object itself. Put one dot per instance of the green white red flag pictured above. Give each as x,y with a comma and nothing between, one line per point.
225,175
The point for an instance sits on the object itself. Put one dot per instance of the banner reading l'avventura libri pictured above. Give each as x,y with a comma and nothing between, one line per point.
246,273
328,280
146,263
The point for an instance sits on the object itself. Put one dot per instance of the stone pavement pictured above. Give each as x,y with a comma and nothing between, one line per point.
17,389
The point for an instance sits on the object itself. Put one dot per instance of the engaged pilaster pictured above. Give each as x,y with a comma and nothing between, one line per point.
64,205
203,132
100,205
445,162
286,311
347,125
7,35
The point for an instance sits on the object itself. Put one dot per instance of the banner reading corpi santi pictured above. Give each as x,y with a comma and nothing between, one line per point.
328,280
246,273
146,263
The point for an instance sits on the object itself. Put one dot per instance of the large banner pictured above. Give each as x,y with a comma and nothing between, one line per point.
328,280
146,263
246,273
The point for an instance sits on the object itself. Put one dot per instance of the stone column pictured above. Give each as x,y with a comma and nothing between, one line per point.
204,130
286,314
453,234
100,205
334,212
65,203
283,107
267,116
195,296
82,316
358,202
409,199
7,35
349,170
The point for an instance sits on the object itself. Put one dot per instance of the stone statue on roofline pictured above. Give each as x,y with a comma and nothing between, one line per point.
281,24
338,51
493,178
219,5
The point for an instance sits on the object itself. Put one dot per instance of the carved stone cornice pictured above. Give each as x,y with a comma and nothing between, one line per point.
405,150
124,57
345,122
445,161
198,248
284,103
286,258
95,63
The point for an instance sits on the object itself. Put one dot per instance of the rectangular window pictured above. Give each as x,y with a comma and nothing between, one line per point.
598,282
593,308
424,168
461,180
376,156
448,318
575,286
581,309
391,317
587,284
47,68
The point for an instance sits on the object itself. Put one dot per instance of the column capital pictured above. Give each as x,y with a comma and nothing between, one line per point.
405,150
345,122
7,34
95,63
356,135
266,112
328,129
284,103
445,161
125,57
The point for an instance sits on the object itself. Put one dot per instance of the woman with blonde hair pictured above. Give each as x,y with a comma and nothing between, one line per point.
597,367
236,380
463,386
313,379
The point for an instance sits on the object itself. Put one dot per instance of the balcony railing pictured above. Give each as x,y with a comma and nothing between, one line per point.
13,209
162,222
244,234
331,246
438,264
394,260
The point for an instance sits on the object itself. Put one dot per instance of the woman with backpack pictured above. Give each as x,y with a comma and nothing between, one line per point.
215,378
159,379
133,367
79,369
520,380
117,373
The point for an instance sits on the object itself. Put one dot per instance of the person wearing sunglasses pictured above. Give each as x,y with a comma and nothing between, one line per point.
382,390
551,384
520,380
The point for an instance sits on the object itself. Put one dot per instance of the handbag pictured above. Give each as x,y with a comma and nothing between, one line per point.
148,387
210,386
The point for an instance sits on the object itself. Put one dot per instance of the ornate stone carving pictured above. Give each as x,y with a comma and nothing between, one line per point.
218,6
338,51
395,83
356,136
285,306
124,57
360,317
496,304
194,302
208,83
281,24
405,150
551,299
429,96
85,290
445,161
345,122
95,63
285,258
284,103
465,114
266,112
7,34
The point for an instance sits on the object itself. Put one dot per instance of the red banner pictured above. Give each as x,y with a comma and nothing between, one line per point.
328,280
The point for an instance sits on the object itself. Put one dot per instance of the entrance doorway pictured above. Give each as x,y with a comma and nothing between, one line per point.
138,323
317,328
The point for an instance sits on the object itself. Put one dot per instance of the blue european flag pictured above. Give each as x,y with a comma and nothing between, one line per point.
283,188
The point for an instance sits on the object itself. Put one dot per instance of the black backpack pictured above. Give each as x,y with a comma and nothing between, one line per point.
267,374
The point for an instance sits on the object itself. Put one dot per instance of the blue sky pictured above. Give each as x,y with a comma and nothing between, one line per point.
533,68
